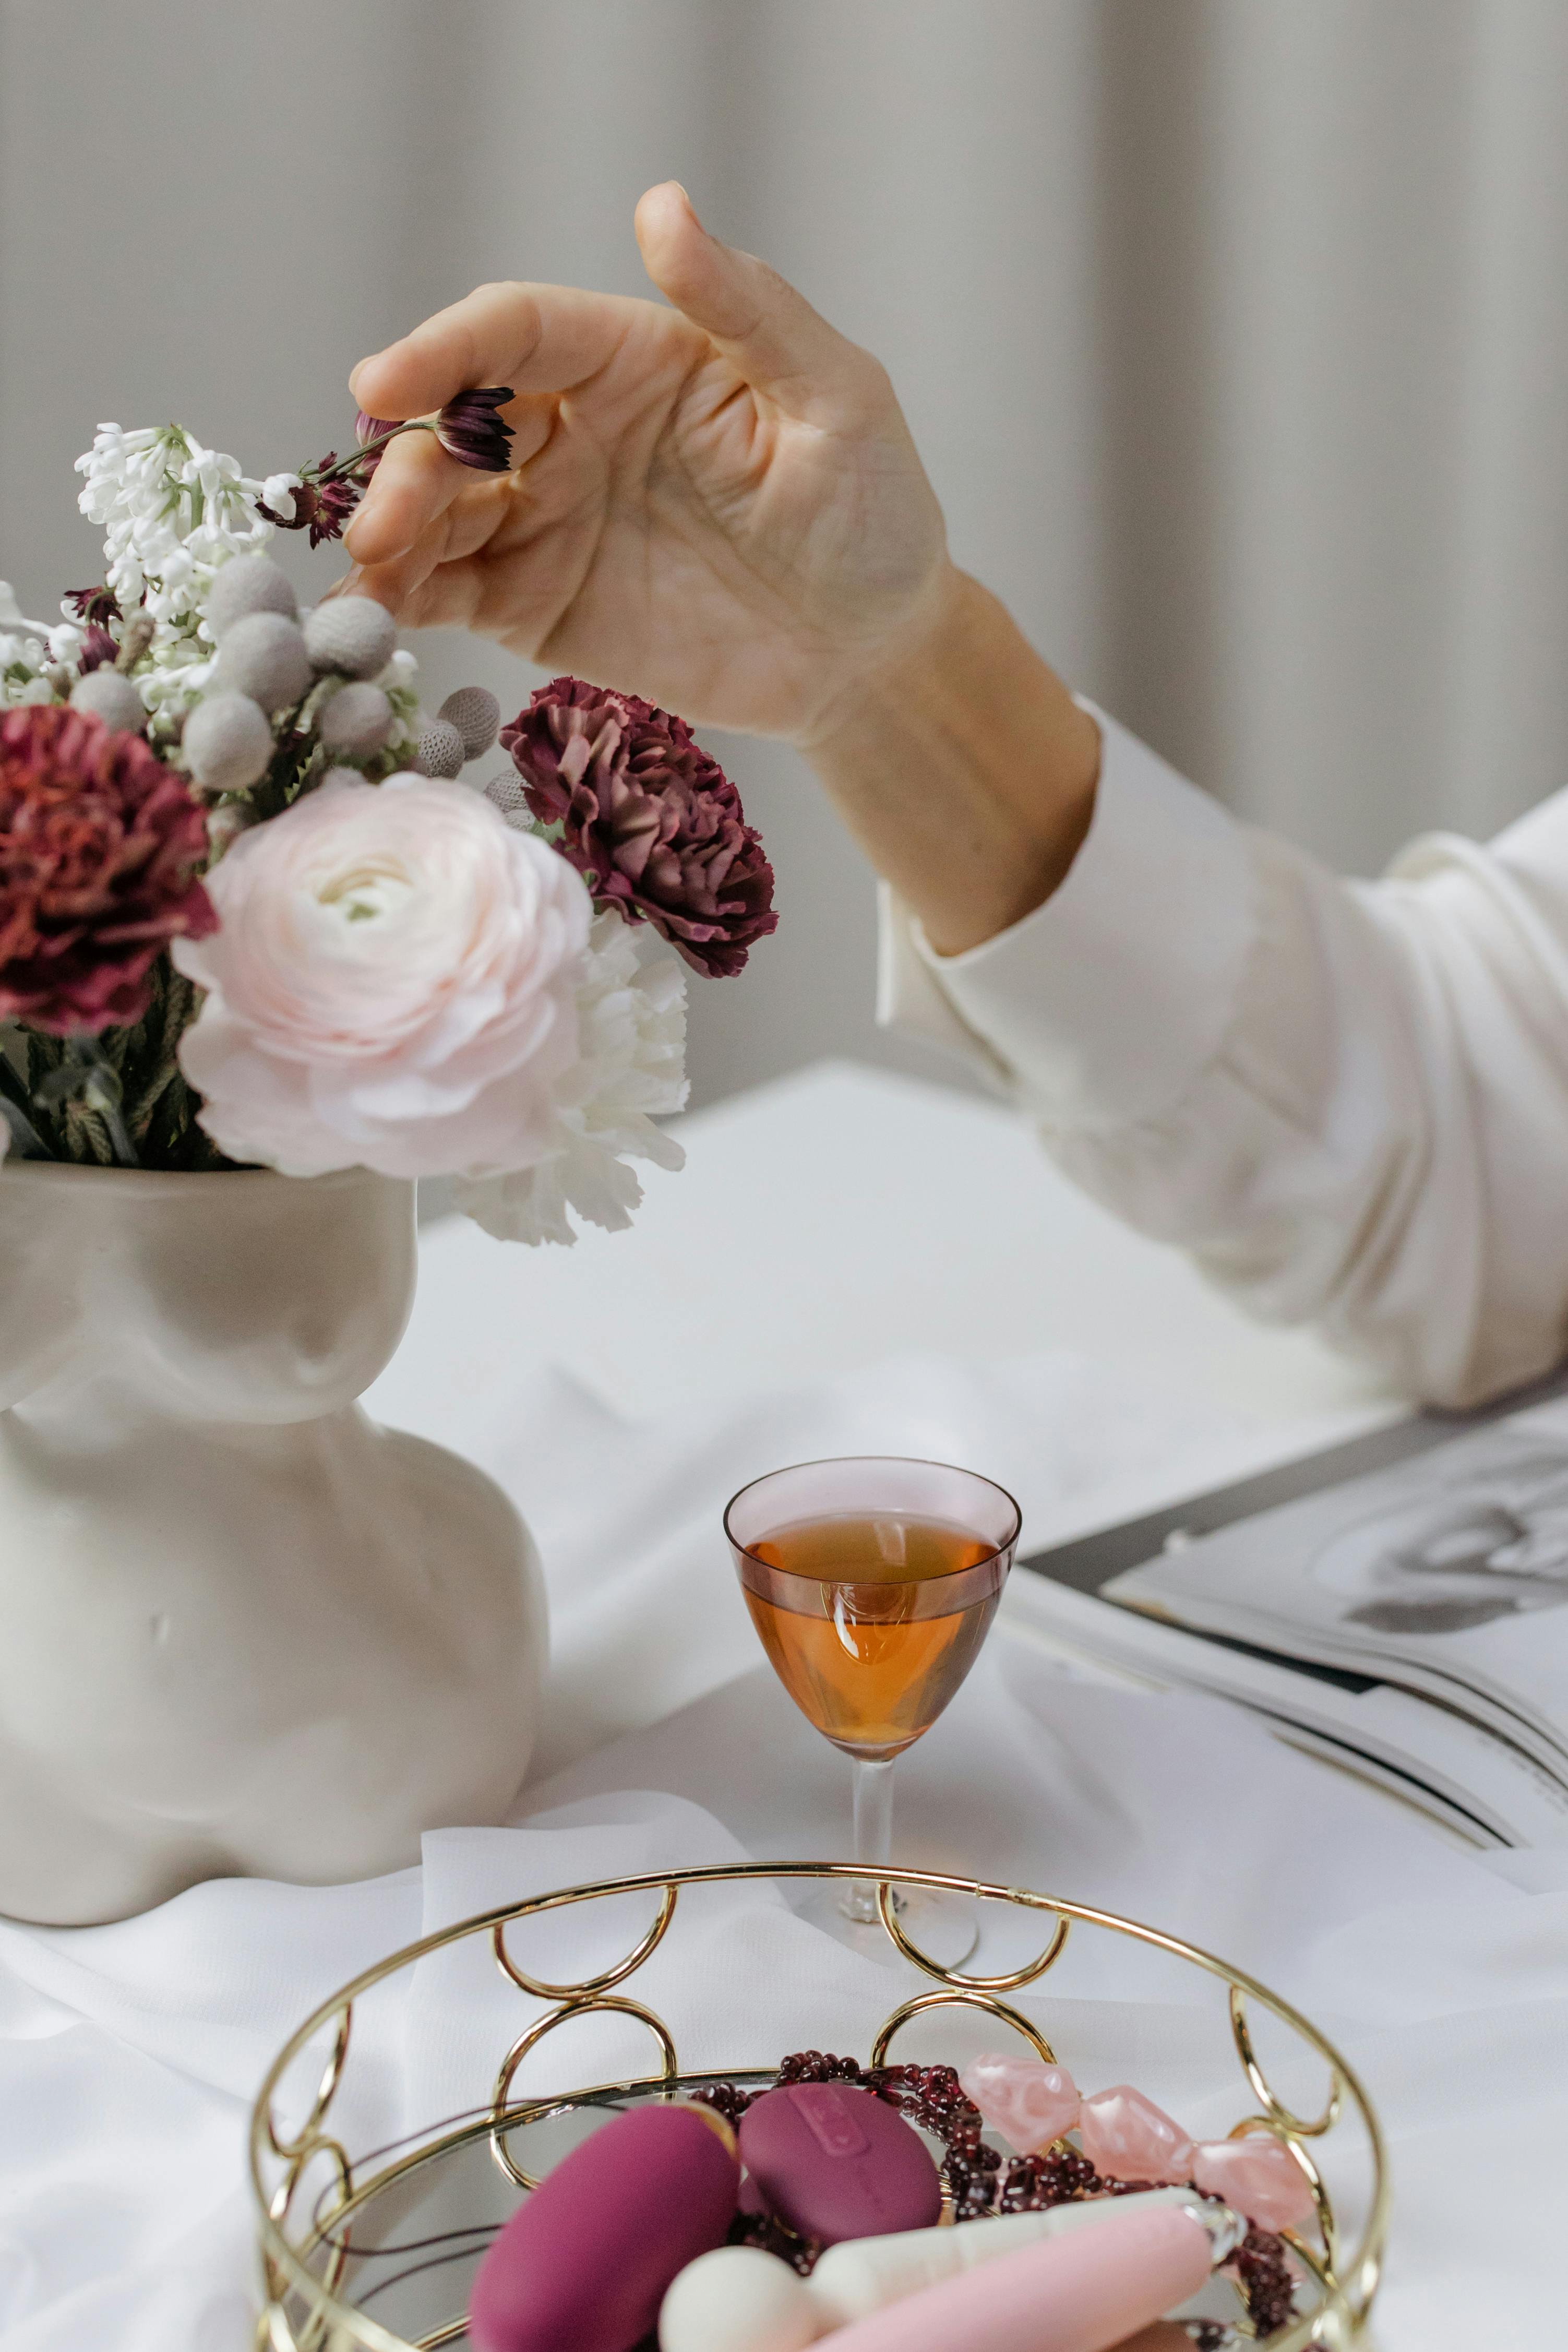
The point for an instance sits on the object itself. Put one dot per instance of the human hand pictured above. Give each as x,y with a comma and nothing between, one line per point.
717,506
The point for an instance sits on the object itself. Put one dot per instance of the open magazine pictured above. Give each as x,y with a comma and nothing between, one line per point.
1399,1606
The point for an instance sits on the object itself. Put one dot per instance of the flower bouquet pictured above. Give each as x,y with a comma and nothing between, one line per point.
253,914
256,917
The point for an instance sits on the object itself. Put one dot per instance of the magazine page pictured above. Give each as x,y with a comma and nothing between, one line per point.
1486,1788
1447,1573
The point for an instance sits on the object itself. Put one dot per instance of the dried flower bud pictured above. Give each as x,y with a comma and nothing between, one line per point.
352,635
372,428
440,751
98,651
246,584
134,639
227,743
112,698
263,655
476,715
357,721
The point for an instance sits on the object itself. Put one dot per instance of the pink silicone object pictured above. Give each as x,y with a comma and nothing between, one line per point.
835,2162
1077,2294
583,2263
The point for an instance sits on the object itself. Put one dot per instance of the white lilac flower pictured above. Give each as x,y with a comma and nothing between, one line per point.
277,491
631,1069
24,650
173,512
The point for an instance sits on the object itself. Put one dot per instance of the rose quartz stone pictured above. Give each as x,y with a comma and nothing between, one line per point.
1029,2102
1127,2137
1256,2175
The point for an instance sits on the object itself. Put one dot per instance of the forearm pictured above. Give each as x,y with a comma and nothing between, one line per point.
964,767
1350,1101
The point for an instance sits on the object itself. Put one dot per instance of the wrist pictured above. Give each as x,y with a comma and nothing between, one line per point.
963,764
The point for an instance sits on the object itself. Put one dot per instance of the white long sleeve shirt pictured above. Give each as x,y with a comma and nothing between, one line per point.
1348,1101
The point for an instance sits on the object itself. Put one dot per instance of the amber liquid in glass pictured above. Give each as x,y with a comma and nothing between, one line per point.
873,1622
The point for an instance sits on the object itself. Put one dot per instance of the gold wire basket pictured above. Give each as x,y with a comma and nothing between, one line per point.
334,2224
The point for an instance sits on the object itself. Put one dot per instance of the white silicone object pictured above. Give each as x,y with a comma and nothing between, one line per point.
863,2273
739,2299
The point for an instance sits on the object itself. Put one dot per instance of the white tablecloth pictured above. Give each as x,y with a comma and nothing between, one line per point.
848,1263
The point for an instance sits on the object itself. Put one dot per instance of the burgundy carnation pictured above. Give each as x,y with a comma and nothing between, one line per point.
655,826
98,846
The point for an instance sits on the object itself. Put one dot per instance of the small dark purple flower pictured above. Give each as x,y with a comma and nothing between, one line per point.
469,429
372,428
321,506
98,652
652,824
95,607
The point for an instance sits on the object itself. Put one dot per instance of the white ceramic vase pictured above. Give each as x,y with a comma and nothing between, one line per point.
242,1628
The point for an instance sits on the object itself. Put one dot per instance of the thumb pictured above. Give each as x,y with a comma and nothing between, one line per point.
769,332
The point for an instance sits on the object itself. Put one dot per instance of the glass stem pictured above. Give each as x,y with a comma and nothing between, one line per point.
873,1786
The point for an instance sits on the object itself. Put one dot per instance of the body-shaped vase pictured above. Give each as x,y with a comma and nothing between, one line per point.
242,1628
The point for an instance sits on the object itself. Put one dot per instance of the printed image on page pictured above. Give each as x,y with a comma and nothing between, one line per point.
1447,1573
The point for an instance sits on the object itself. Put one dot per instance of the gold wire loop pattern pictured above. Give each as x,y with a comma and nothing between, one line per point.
325,2092
962,1997
1328,2229
331,2275
314,2277
1275,2111
589,1985
1010,1980
596,2005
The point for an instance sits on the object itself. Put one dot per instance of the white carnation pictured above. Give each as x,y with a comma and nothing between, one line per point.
631,1069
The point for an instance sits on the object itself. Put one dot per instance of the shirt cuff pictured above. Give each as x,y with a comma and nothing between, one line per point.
1103,1006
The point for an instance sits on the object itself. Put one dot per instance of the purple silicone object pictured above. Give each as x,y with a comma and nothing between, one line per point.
583,2263
835,2162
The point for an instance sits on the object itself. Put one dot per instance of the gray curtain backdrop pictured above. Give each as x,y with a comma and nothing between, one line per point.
1235,334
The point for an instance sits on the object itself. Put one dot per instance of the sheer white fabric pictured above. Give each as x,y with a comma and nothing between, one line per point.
1348,1101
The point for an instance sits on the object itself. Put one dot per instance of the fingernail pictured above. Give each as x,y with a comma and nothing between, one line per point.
690,206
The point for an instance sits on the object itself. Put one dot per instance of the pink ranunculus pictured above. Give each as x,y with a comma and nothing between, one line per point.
392,986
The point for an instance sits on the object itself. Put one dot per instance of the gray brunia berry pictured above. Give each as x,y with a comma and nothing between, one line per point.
351,636
263,655
112,698
440,751
476,715
246,584
227,743
356,721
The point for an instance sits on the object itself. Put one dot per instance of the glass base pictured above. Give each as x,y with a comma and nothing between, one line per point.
945,1928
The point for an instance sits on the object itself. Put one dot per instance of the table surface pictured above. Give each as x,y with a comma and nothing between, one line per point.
826,1222
850,1262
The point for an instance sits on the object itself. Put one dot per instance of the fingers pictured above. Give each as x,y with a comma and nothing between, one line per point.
416,482
535,338
406,582
541,340
768,331
415,479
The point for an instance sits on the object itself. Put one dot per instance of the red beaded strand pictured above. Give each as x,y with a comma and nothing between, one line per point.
981,2181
